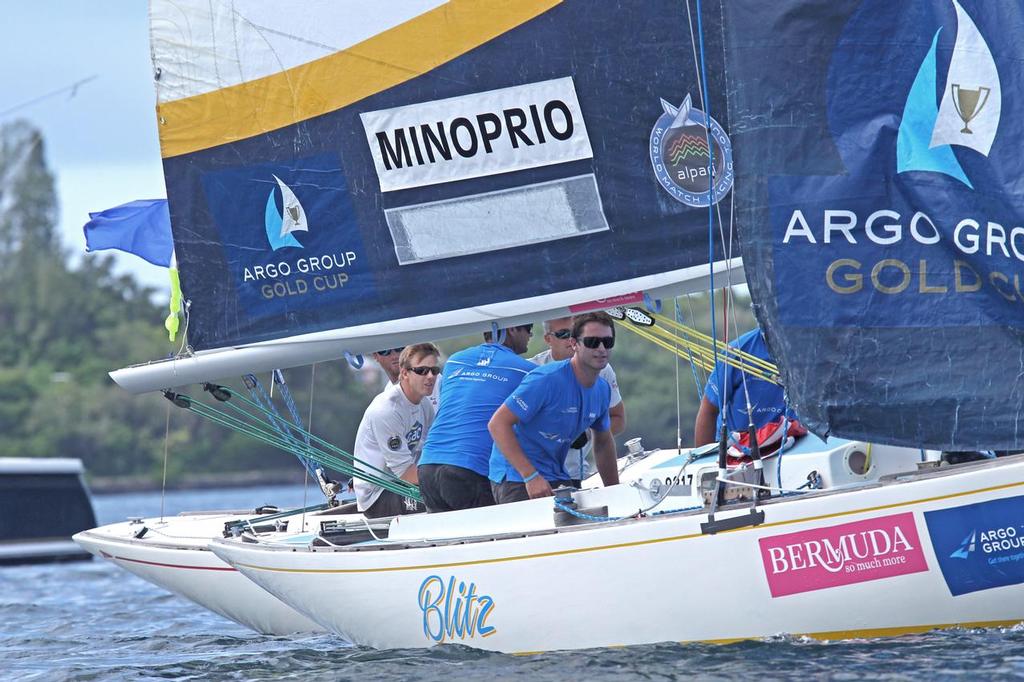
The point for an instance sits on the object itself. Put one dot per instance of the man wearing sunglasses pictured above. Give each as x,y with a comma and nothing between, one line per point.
454,465
393,430
556,403
388,361
579,463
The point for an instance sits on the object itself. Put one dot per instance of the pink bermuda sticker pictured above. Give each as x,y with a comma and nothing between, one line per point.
841,555
605,303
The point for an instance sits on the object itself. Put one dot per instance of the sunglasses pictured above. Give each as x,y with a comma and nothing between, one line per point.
562,334
595,341
424,371
388,351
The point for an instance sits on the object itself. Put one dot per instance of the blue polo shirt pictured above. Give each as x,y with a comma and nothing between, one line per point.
475,382
553,410
767,400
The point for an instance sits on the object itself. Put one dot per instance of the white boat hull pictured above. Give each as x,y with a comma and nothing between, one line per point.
174,556
659,578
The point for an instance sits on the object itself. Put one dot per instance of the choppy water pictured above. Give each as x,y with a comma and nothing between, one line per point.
93,621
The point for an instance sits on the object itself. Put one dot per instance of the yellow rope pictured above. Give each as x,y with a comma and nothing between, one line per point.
706,341
697,348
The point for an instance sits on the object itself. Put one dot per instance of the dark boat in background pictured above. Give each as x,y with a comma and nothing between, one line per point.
43,502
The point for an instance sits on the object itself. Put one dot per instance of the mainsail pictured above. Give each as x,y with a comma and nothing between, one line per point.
891,281
443,164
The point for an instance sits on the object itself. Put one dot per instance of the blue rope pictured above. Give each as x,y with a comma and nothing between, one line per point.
677,511
601,519
286,394
587,517
497,335
259,396
711,199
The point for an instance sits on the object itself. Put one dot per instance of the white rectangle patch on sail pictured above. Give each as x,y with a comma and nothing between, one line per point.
480,223
472,136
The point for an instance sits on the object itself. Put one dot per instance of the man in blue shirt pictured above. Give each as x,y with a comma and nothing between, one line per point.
555,403
453,466
767,400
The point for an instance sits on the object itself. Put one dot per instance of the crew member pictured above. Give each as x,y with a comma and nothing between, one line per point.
579,463
388,361
454,465
393,430
556,402
767,400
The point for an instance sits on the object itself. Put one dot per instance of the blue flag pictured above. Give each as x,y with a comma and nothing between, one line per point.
140,227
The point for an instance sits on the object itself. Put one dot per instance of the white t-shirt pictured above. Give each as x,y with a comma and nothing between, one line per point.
390,438
579,462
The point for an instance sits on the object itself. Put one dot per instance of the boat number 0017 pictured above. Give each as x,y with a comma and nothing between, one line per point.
451,612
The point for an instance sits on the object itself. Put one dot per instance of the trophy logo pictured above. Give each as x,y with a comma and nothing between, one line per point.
684,144
281,224
967,105
963,117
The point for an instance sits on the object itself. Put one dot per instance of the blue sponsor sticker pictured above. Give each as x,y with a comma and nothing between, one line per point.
979,546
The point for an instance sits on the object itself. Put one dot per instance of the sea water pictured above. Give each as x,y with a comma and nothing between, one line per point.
93,621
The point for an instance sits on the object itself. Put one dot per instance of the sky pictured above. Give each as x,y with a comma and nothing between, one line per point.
101,138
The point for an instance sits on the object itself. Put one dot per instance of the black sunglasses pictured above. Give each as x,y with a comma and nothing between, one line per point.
562,334
388,351
595,341
424,371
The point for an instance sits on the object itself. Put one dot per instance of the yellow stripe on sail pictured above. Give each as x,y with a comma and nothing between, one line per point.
338,80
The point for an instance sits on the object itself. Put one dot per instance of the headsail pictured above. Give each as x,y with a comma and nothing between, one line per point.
891,279
356,165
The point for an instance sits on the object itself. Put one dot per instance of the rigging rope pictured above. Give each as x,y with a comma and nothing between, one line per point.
701,351
318,450
259,395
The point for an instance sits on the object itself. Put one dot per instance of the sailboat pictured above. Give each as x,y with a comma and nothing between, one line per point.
467,165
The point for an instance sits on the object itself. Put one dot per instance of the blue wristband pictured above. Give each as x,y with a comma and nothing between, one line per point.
532,476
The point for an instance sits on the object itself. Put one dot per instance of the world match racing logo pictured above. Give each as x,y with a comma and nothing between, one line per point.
681,156
968,111
283,222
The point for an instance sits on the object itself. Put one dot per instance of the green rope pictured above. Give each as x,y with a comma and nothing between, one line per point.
328,455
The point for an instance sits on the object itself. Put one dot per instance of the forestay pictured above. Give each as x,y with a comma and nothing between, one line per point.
354,166
878,149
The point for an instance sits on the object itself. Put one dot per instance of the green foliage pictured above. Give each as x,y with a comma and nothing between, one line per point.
65,327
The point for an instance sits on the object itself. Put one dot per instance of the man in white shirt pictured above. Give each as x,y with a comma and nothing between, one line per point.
393,430
579,463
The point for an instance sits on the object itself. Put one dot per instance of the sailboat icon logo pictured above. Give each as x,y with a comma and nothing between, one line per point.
967,114
966,547
282,223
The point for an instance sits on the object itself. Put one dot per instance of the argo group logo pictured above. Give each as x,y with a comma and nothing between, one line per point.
282,222
979,546
681,156
969,107
916,216
263,212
